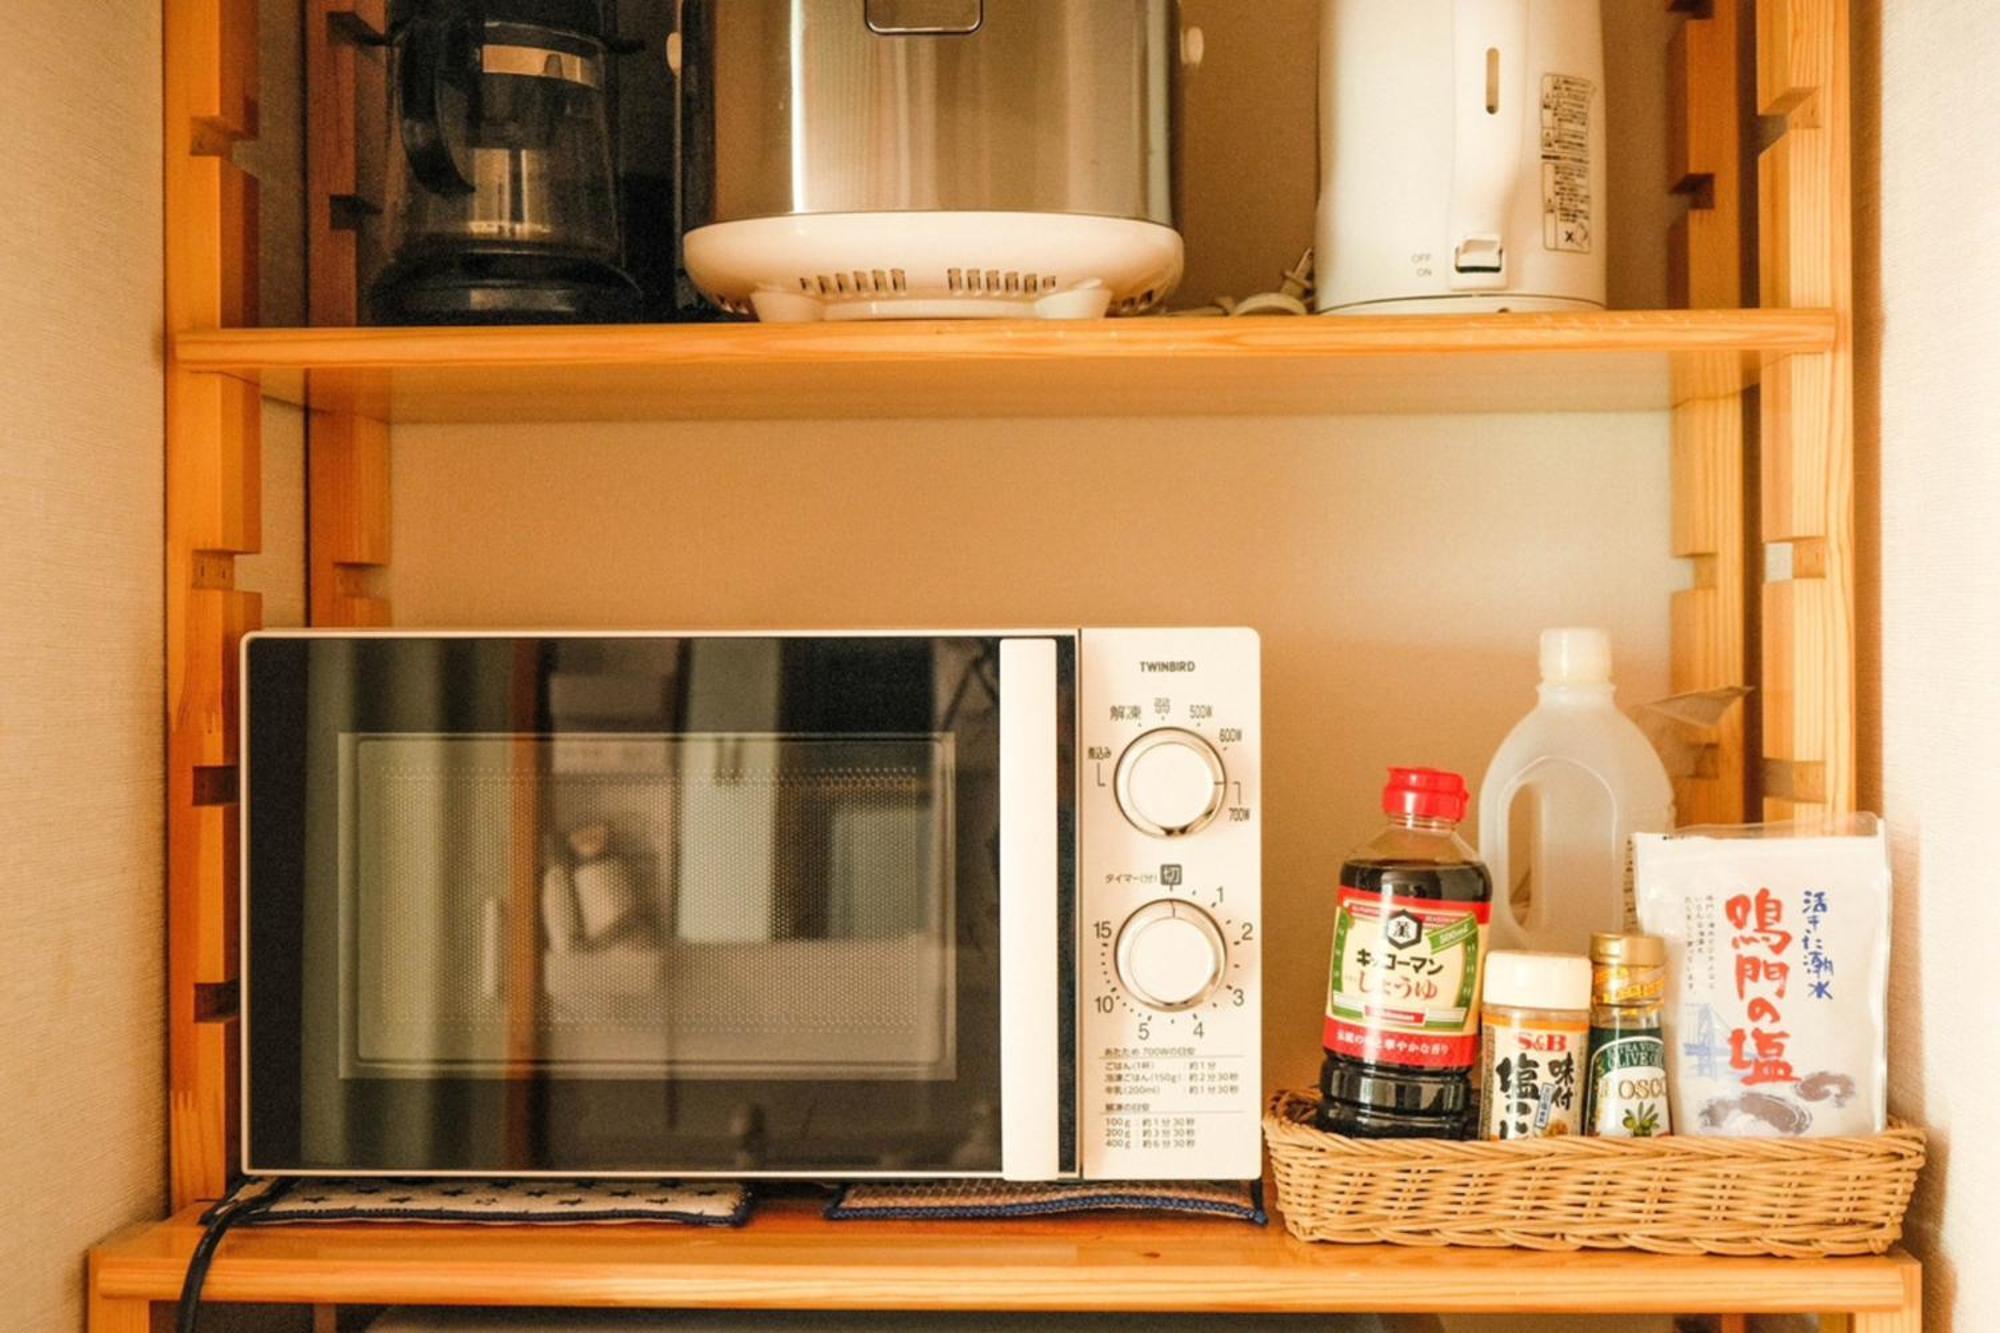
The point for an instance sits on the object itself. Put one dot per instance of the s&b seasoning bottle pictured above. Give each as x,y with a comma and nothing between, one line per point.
1628,1056
1534,1032
1402,996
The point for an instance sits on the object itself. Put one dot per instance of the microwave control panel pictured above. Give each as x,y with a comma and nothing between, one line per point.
1169,1080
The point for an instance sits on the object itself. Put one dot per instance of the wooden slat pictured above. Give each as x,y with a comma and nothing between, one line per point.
348,535
1704,159
1797,263
202,1147
346,106
205,823
213,454
1796,42
789,1257
1807,481
1708,625
215,45
1806,446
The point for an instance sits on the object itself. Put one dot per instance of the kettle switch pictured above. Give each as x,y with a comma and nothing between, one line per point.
1480,254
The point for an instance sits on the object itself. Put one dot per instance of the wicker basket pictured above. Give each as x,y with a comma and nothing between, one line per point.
1793,1197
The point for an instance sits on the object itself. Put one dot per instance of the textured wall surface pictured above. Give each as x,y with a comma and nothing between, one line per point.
1399,569
82,953
1929,404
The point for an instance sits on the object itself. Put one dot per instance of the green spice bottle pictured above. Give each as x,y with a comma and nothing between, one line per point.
1628,1056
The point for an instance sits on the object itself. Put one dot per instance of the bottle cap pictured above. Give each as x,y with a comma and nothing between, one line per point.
1522,980
1576,657
1635,950
1427,793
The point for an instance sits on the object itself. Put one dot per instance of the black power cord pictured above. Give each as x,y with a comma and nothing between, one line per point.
219,1222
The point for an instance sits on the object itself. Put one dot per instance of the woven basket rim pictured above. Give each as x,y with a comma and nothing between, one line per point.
1284,1129
1791,1197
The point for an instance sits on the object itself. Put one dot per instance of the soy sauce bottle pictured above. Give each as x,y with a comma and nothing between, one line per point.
1402,1000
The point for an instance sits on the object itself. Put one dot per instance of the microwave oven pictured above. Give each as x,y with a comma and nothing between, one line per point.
821,905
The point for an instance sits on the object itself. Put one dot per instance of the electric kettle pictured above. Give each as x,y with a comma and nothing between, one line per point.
501,195
1461,156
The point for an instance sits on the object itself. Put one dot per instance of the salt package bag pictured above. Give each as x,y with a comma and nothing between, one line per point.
1777,974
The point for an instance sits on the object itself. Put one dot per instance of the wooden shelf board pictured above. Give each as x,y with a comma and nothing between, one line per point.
790,1258
1595,361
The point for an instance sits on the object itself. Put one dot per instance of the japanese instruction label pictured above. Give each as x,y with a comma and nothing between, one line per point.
1566,163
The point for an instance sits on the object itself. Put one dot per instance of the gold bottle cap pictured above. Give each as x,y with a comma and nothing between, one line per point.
1635,950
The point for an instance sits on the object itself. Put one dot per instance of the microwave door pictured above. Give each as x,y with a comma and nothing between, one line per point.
1031,1042
658,905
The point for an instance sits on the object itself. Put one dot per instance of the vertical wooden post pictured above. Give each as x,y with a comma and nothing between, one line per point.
348,449
1705,253
212,483
346,114
1807,521
348,528
1704,128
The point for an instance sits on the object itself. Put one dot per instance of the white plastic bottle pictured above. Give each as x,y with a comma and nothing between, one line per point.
1563,796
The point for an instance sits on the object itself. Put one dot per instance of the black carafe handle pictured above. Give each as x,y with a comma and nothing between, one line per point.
432,39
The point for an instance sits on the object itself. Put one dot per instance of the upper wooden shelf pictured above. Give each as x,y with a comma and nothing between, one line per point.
1597,361
790,1258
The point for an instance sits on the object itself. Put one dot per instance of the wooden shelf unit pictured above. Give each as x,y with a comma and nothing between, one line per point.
788,1257
1767,388
1599,361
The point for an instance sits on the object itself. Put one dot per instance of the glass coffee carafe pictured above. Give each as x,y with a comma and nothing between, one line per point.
501,197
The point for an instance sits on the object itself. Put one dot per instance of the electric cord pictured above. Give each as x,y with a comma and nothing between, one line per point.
1291,298
188,1316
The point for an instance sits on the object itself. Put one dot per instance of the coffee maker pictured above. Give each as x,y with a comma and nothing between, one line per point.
501,196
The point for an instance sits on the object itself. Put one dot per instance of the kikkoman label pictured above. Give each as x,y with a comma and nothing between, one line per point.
1403,988
1628,1088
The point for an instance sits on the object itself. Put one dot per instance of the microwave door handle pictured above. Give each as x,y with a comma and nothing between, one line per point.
1490,97
1030,1022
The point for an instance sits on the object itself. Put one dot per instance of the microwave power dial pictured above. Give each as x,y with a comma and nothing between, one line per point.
1170,955
1170,782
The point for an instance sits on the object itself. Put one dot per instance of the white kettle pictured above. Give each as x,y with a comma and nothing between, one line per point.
1461,156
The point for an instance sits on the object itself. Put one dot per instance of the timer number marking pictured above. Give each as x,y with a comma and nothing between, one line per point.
1113,997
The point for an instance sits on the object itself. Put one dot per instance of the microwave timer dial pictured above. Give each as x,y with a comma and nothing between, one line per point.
1170,782
1170,955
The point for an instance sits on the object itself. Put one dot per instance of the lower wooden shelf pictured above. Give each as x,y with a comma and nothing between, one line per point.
790,1258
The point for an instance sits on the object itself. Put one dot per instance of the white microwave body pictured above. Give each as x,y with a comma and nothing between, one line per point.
820,905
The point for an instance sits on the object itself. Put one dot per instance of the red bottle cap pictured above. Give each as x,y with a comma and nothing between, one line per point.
1427,793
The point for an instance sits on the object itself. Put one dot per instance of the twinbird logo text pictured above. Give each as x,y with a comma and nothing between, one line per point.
1156,668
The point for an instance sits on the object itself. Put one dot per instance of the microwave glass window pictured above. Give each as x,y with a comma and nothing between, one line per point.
648,905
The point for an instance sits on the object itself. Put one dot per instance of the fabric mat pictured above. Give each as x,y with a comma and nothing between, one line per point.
965,1199
707,1203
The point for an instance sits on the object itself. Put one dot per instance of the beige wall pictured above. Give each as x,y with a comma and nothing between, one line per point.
81,957
1399,569
1927,185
